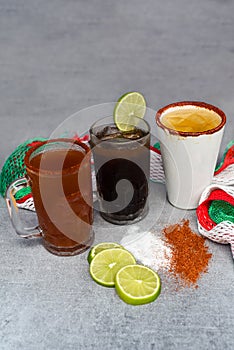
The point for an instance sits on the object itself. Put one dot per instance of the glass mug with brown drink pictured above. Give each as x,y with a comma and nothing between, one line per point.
122,165
59,174
190,135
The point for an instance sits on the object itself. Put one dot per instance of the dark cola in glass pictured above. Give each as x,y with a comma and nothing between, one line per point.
122,166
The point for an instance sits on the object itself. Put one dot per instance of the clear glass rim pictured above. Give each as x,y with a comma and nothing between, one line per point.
69,170
110,120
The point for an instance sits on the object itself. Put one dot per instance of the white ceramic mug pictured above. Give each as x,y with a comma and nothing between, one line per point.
189,158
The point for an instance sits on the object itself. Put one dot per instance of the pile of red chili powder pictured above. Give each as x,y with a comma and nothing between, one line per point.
189,254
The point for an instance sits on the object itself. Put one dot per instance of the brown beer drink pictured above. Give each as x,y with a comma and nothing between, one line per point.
60,178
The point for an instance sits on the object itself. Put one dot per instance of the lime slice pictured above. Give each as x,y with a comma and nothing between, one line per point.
107,263
137,284
102,246
130,105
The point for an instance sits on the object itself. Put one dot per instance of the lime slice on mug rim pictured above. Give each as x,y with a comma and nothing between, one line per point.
130,105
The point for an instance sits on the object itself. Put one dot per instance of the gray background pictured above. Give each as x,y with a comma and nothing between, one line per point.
57,57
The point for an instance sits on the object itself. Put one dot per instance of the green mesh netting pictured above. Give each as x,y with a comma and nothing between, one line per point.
14,167
157,145
221,211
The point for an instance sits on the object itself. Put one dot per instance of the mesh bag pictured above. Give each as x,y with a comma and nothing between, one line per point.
14,169
156,165
215,214
224,172
227,159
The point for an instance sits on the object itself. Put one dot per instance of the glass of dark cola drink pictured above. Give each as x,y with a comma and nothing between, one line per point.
122,166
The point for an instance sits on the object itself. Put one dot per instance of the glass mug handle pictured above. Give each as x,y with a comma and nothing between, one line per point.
16,212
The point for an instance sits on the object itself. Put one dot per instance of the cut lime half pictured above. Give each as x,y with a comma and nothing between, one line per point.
130,105
107,263
137,284
100,247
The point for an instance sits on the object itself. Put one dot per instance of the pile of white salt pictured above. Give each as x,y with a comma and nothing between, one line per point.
148,248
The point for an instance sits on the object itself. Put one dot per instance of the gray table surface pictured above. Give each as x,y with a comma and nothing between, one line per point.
57,57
